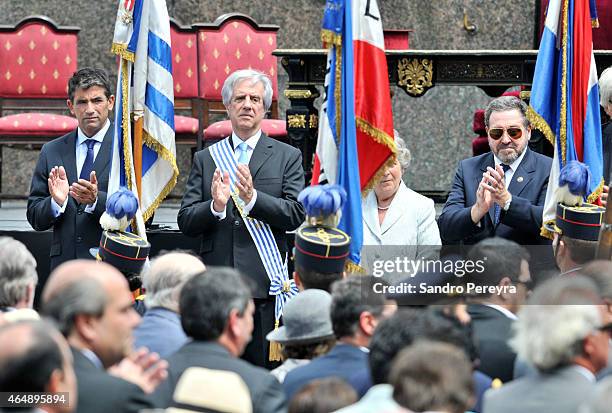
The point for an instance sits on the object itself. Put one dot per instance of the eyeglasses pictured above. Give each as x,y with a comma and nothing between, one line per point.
497,133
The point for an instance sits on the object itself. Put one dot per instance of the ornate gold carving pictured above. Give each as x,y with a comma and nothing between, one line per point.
313,122
415,75
296,121
298,94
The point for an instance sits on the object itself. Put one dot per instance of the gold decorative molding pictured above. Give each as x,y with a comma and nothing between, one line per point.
298,94
296,121
415,75
313,122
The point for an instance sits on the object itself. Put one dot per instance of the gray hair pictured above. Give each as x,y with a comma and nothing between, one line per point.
163,283
238,76
403,153
505,103
558,316
17,271
605,87
600,400
83,297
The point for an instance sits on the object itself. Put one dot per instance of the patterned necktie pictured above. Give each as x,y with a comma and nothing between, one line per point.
242,157
497,207
89,160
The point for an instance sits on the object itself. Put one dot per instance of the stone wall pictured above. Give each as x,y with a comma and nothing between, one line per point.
437,126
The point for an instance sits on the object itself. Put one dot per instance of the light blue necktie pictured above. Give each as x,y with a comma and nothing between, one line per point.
243,156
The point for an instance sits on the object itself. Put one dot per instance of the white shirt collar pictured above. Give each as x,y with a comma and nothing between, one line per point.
514,165
81,137
588,374
251,141
91,356
502,310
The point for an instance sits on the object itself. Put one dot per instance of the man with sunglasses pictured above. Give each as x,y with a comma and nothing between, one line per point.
500,193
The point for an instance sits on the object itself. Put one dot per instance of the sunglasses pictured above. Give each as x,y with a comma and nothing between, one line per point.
497,133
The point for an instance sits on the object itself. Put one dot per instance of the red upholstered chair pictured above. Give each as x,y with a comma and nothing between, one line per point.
185,75
37,57
397,39
235,41
480,144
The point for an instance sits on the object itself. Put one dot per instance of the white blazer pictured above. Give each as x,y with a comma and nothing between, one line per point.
410,222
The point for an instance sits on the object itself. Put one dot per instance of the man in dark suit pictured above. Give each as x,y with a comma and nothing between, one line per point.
68,190
217,313
92,305
500,193
354,319
506,266
269,176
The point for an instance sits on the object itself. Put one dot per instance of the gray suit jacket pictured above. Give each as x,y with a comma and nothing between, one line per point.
74,231
562,391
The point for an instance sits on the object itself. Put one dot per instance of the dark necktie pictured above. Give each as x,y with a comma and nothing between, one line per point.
89,160
497,207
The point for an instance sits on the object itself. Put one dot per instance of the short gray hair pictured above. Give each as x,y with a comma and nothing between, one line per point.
240,75
505,103
605,87
83,297
17,271
403,153
163,283
558,316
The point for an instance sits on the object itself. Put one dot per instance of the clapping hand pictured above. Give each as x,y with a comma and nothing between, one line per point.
143,368
58,184
85,192
220,190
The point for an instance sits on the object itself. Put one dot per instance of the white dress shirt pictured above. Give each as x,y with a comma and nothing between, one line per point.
81,154
251,143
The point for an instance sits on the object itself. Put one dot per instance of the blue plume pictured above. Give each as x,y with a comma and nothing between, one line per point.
322,200
576,176
121,204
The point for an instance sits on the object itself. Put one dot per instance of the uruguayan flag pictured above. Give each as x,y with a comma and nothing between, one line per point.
144,91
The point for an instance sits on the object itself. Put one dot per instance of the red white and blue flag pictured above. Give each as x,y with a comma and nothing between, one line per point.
355,142
564,102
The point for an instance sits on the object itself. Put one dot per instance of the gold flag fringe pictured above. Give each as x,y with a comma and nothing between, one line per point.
595,23
330,38
121,50
352,268
383,138
596,193
545,232
540,124
275,348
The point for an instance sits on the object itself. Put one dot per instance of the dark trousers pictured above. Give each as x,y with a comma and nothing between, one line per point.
258,350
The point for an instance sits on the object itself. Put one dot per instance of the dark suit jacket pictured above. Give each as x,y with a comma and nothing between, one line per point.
266,393
278,177
491,331
606,136
344,361
103,393
521,223
74,231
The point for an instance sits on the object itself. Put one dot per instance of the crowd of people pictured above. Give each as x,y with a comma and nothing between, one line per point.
231,330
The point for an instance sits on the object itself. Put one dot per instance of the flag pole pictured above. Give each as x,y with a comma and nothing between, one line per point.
604,244
138,128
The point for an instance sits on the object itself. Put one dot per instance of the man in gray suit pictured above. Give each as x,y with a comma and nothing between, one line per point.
564,333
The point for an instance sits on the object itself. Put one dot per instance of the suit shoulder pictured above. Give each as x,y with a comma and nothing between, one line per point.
282,146
56,144
542,158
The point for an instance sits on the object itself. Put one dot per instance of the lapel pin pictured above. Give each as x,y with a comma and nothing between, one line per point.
519,179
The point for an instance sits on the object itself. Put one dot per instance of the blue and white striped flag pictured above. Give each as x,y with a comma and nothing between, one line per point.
144,89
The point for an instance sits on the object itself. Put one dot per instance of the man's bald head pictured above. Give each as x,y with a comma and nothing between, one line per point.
166,276
74,271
